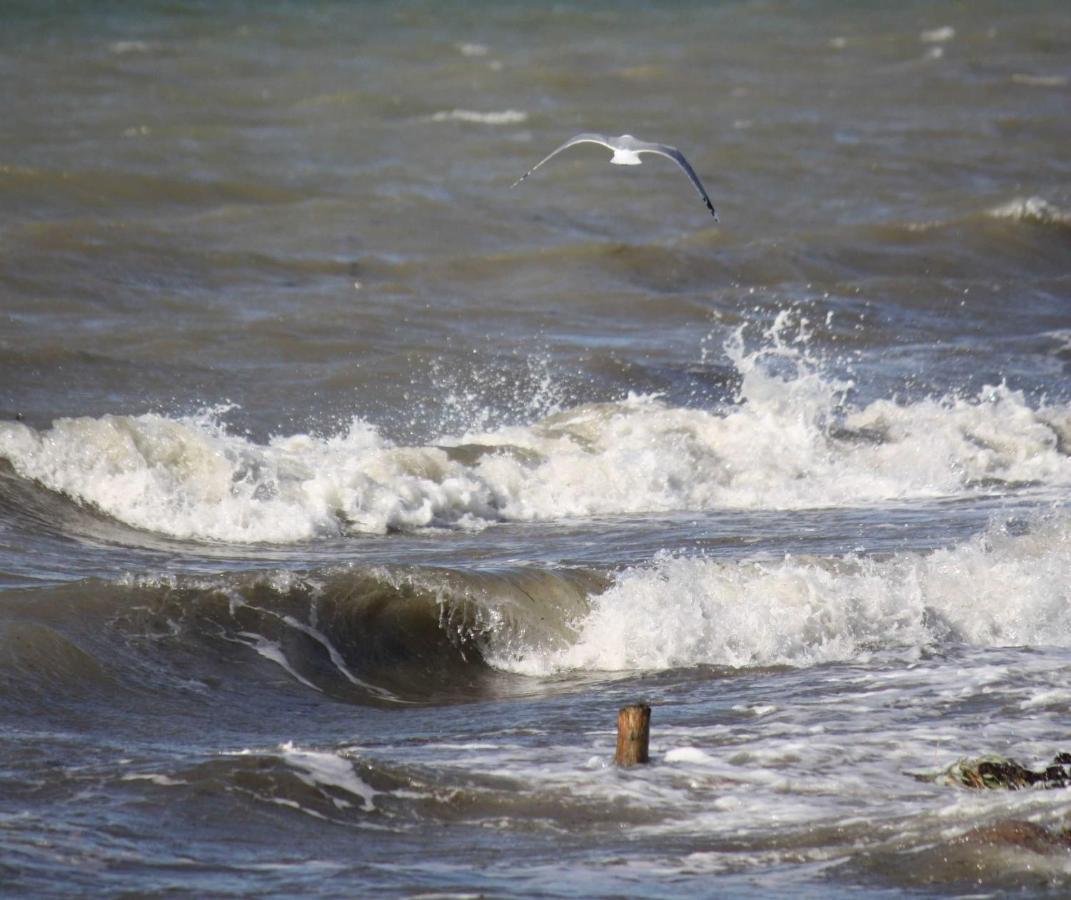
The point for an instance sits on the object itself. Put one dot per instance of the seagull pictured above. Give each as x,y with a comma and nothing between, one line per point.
627,150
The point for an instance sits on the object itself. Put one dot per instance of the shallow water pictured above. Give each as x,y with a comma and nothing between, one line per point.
346,493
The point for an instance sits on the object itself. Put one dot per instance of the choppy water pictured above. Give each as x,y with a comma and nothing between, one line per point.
346,493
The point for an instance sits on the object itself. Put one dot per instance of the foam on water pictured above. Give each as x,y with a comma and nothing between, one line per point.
273,651
329,770
997,589
189,478
937,35
499,117
1031,209
791,442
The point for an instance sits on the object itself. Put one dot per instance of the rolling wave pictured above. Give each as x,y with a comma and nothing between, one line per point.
1004,587
388,635
360,635
791,441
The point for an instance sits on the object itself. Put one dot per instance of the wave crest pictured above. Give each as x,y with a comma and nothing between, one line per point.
997,589
790,441
1031,209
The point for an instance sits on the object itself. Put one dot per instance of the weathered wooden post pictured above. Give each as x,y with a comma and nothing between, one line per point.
633,734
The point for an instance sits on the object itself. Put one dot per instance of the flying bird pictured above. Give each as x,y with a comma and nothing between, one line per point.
627,150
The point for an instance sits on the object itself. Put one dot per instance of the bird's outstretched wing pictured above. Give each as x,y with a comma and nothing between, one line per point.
678,157
585,138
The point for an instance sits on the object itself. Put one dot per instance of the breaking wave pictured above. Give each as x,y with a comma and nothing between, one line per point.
791,440
1004,587
1031,209
388,635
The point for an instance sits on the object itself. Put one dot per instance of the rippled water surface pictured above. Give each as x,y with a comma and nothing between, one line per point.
347,492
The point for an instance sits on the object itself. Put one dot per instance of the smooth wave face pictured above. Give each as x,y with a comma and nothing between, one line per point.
791,441
365,635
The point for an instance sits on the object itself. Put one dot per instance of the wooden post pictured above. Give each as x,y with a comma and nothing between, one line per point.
633,733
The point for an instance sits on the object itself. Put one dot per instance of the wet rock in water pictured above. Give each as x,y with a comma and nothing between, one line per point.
994,772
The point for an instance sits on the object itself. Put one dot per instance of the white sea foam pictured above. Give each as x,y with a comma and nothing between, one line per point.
503,117
190,479
937,35
687,755
472,49
273,651
993,590
162,780
790,443
1031,209
329,770
1054,81
122,48
335,657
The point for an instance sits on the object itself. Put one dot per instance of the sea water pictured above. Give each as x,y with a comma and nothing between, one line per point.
346,493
